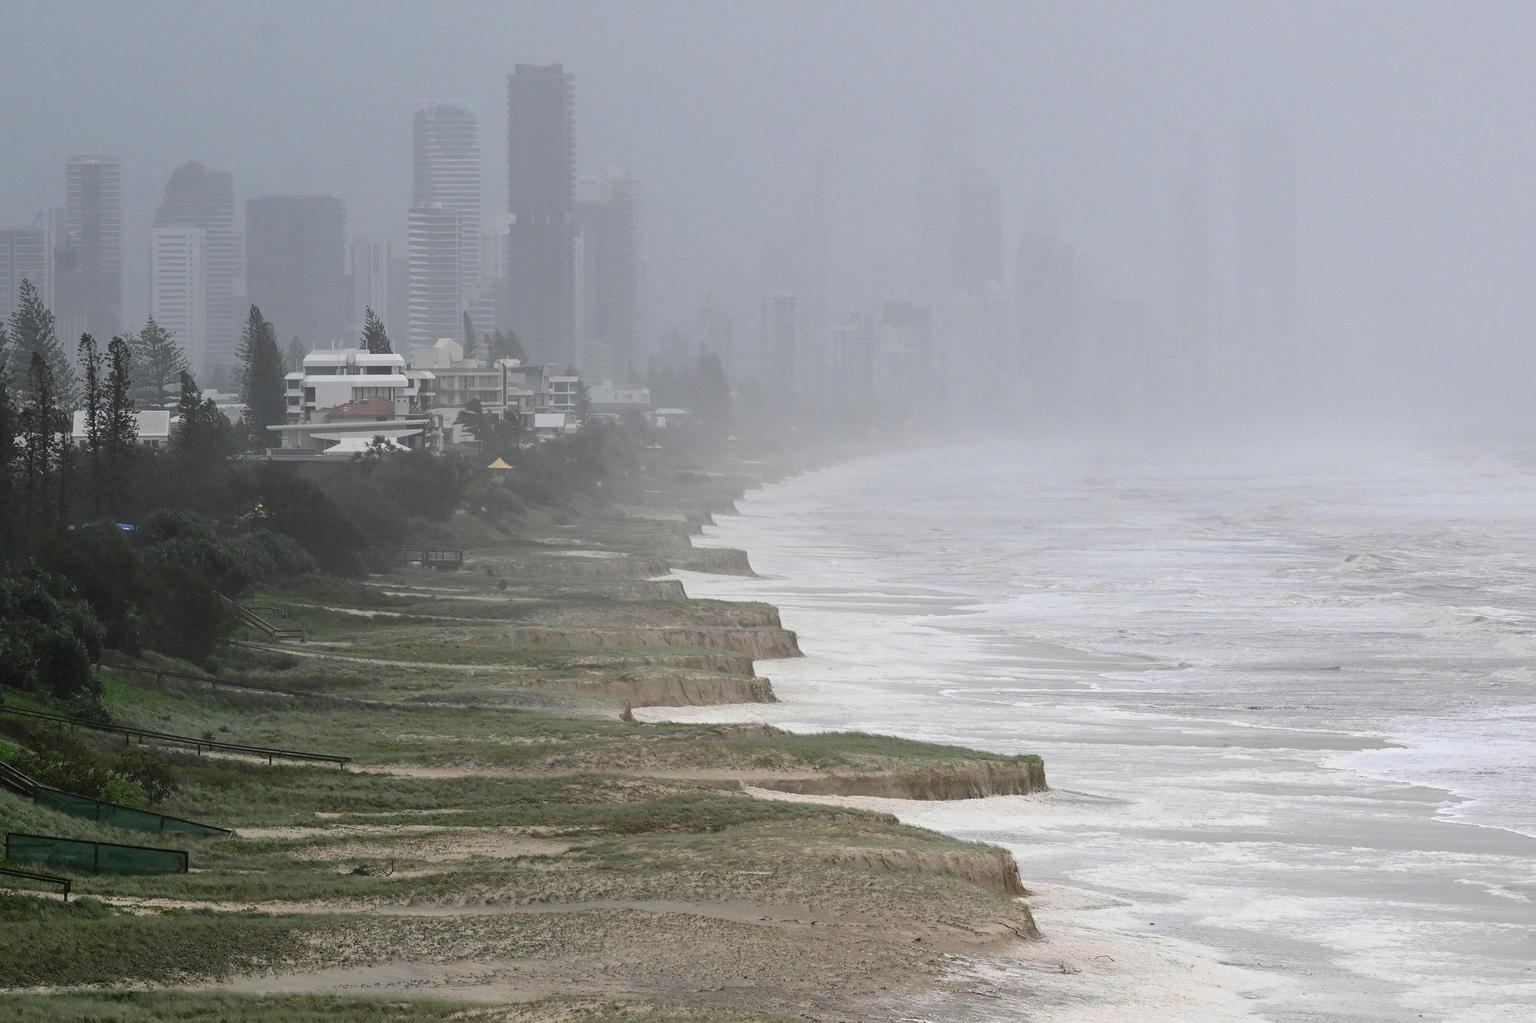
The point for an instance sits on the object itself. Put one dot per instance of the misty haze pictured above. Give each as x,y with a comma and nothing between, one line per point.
760,510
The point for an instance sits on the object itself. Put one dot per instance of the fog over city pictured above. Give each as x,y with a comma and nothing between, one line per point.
1117,213
727,511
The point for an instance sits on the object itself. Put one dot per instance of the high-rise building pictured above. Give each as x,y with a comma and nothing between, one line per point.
717,333
904,375
24,256
373,287
399,279
608,279
295,265
88,253
978,232
538,302
445,173
854,361
178,288
1046,304
196,196
779,348
436,297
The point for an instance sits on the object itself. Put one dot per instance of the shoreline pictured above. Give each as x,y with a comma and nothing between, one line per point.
1262,841
819,910
1076,948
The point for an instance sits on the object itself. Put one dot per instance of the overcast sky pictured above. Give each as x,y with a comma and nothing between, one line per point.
1414,127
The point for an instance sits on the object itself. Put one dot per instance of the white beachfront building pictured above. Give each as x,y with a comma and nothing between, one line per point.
345,398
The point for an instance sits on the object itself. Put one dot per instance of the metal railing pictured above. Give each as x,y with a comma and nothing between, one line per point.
19,783
62,882
197,744
427,557
259,623
221,683
102,811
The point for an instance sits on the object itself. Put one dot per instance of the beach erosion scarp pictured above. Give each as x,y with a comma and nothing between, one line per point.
508,833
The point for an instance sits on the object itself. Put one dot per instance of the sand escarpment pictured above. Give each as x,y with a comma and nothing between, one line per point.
765,642
987,866
1017,777
715,561
676,690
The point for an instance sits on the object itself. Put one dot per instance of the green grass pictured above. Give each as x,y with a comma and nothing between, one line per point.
173,1006
49,942
206,1007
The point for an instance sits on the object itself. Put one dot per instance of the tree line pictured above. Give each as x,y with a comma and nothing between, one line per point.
106,543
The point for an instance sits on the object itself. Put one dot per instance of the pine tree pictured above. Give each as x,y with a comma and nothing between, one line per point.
120,427
95,409
159,361
41,426
506,346
296,352
469,337
203,440
8,430
261,378
33,333
375,339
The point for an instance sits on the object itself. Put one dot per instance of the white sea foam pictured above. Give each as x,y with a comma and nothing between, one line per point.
1273,694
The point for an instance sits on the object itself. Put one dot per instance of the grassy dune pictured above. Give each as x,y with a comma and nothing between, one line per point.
503,840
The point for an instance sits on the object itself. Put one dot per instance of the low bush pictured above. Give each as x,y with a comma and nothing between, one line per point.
65,761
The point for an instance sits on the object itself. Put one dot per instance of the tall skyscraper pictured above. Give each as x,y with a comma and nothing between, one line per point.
978,232
717,334
24,256
539,300
436,297
608,283
399,316
445,143
373,287
178,287
196,196
89,250
295,265
779,350
1046,304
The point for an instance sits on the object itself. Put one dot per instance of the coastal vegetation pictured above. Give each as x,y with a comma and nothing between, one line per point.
501,835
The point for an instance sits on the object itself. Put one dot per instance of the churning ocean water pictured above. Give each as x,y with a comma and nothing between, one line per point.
1287,704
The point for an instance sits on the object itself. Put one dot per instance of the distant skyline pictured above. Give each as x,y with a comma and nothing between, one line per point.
1415,170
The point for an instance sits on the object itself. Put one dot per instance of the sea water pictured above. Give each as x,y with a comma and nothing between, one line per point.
1287,704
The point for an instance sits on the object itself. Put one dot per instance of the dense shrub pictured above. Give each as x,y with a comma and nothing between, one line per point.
100,562
49,638
282,501
266,554
65,761
183,539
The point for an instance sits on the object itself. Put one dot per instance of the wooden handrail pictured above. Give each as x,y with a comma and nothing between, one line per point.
251,618
199,745
30,875
226,683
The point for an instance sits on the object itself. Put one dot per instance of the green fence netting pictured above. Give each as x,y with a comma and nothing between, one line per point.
93,857
120,816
